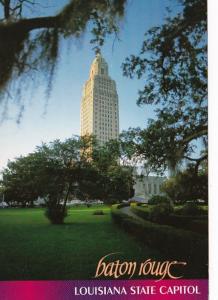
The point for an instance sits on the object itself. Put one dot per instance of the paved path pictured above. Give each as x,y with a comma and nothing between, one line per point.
127,210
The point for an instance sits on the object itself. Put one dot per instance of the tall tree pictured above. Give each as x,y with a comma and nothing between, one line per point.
51,172
114,182
173,64
21,181
58,171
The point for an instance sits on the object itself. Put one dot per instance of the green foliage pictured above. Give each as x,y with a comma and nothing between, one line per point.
59,171
121,183
30,42
173,64
51,172
169,187
172,57
114,182
196,223
191,209
187,185
21,180
143,212
158,199
160,212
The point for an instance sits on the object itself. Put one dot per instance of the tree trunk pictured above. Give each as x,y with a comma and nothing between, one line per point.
66,197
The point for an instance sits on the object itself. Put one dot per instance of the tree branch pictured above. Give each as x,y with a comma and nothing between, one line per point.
198,133
26,25
197,159
6,5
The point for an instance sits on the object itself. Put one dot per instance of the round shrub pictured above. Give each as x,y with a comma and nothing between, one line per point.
98,213
157,199
160,212
56,214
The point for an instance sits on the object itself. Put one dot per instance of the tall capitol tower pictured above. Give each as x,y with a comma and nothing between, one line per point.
99,105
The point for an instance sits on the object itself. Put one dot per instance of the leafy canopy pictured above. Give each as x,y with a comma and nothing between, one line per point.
173,64
60,171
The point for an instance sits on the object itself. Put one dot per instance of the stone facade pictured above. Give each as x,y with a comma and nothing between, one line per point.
147,186
99,105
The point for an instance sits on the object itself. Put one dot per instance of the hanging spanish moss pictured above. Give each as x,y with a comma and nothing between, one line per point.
29,47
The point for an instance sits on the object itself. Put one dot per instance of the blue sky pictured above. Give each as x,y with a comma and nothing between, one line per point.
62,118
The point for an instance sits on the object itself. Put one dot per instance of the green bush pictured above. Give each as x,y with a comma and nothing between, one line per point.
98,212
139,204
187,185
143,212
160,212
175,243
157,199
56,214
197,223
188,222
191,209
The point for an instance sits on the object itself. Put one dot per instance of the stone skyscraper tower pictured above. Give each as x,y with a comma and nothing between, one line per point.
99,107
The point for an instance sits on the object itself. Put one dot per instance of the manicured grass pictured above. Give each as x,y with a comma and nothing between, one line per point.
32,248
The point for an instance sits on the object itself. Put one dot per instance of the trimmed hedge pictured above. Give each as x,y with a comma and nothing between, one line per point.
194,223
191,209
143,212
175,243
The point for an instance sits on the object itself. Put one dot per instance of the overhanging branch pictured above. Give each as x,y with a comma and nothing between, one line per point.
196,159
26,25
198,133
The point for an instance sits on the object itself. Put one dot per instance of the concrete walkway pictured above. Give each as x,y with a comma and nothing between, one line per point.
127,210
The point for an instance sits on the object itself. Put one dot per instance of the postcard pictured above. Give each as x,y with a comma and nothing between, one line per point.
104,149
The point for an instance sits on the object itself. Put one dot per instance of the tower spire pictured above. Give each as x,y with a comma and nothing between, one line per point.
99,66
99,107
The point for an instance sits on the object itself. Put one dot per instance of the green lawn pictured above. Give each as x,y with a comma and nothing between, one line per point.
31,248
